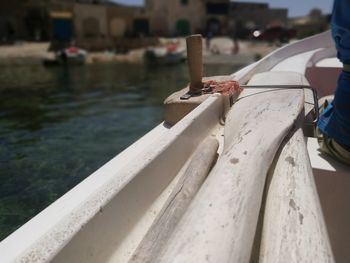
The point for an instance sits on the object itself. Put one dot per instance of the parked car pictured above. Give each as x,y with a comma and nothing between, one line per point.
276,33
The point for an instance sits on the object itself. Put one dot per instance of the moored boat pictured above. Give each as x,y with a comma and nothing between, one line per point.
168,54
68,56
232,177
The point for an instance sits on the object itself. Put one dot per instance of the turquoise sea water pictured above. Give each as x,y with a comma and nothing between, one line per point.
59,125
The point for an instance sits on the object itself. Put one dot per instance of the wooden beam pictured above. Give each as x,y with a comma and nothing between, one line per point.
294,228
160,231
195,62
220,224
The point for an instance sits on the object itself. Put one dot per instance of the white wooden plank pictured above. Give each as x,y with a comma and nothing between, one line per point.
323,40
81,222
177,203
220,224
294,227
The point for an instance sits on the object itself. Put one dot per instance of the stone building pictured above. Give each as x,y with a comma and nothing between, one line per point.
315,22
23,20
10,28
179,17
257,15
67,20
183,17
78,19
127,21
216,17
90,25
99,24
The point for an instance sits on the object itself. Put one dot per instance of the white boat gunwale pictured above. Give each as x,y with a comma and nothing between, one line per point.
41,239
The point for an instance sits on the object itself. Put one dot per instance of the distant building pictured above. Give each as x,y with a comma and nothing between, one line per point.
95,24
257,15
311,24
99,24
216,17
9,26
23,20
94,21
127,21
183,17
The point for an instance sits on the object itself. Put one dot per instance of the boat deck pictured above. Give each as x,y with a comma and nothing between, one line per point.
260,198
333,184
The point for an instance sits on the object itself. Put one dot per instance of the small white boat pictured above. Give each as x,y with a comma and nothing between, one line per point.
68,56
165,55
223,183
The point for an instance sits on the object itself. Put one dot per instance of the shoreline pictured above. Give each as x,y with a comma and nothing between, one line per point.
22,54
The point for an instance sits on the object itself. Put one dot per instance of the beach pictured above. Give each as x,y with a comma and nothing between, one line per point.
220,51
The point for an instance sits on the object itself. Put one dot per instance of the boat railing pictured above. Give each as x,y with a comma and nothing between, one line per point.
259,203
259,199
320,41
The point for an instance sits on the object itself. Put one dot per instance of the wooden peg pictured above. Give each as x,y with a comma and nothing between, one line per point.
195,62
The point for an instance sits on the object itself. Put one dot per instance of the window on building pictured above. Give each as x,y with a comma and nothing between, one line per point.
217,9
141,27
183,27
91,27
184,2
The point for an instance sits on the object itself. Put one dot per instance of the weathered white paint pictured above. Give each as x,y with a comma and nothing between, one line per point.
177,203
220,224
279,78
81,230
323,40
110,212
323,70
333,183
294,227
30,233
330,62
325,54
297,63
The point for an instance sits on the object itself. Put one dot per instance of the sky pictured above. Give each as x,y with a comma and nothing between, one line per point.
296,7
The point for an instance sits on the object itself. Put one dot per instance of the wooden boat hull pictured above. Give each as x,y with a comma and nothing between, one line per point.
106,217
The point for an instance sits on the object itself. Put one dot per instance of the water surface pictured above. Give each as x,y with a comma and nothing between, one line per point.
59,125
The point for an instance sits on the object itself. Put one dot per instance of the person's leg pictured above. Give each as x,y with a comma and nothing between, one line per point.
335,120
341,29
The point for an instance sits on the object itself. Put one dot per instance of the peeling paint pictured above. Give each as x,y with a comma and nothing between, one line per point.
234,160
301,218
247,132
292,204
291,160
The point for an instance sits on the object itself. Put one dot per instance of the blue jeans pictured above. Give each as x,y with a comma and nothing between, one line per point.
335,120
